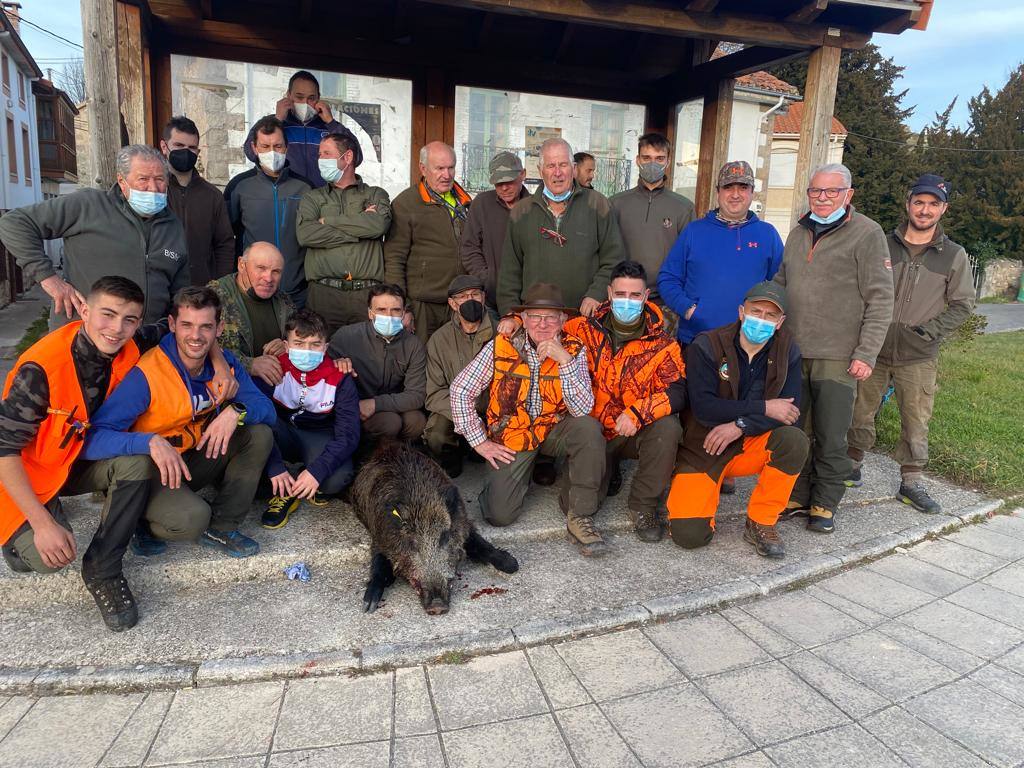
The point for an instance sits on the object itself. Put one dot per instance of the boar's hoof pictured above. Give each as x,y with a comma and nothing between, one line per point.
504,561
372,597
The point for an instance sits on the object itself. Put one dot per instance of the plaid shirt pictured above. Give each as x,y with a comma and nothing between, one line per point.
577,390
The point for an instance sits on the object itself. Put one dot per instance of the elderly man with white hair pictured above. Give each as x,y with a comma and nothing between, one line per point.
564,234
838,280
421,251
127,230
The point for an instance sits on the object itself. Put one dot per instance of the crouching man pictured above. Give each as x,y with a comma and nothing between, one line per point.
50,396
540,401
638,390
743,385
164,409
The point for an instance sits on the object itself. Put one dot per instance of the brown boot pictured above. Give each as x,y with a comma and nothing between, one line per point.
765,538
647,525
585,535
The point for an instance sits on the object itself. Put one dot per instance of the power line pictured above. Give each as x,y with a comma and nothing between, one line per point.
23,20
929,146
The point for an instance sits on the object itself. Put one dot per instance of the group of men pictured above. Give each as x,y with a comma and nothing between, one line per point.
514,329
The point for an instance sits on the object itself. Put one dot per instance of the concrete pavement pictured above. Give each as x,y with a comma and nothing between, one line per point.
916,659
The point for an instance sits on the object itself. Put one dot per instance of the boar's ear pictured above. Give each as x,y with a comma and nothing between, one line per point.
453,501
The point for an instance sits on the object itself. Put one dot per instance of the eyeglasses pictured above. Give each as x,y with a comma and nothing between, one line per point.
541,319
830,192
558,237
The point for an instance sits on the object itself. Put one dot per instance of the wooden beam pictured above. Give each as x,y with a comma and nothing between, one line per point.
161,93
568,33
664,18
99,36
808,12
686,85
701,6
131,93
816,124
902,22
714,141
305,13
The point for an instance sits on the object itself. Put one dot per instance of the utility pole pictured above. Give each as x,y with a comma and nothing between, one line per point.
100,42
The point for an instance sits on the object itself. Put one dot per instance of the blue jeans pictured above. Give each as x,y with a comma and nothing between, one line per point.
304,446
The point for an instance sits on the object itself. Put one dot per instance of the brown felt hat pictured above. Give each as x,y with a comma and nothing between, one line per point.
544,296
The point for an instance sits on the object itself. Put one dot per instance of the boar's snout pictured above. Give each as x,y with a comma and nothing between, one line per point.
435,600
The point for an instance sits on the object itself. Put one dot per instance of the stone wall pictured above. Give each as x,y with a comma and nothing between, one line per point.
1002,278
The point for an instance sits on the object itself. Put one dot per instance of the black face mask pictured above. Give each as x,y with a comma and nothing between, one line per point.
182,160
472,311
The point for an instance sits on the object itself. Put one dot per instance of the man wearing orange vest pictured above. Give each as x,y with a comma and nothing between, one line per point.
173,416
55,388
639,387
540,400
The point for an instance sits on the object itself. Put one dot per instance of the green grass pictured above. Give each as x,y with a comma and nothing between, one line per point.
997,300
34,332
978,424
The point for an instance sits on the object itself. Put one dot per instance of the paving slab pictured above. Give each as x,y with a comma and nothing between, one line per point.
950,656
1010,524
1009,579
336,710
981,720
485,690
619,664
769,703
965,561
12,711
919,574
556,679
592,739
983,539
1013,660
1005,682
414,714
771,641
676,727
865,616
753,760
705,645
852,697
133,743
964,628
918,744
847,747
992,602
804,619
533,742
877,592
418,752
374,755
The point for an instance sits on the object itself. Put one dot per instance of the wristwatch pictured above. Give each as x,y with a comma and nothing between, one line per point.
742,424
240,410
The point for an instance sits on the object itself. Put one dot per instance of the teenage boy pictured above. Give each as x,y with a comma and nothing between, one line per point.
317,421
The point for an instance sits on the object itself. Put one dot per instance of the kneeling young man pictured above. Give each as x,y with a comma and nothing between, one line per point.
55,388
540,401
167,404
639,387
743,386
317,421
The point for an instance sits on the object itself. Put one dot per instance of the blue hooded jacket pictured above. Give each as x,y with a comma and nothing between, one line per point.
304,145
712,265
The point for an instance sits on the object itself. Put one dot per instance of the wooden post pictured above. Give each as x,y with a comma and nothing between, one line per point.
99,37
714,141
131,89
816,124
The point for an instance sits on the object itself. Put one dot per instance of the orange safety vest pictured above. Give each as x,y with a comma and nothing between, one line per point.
508,421
48,457
170,413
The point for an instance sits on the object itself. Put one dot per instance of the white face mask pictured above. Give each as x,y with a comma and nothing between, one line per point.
272,161
303,111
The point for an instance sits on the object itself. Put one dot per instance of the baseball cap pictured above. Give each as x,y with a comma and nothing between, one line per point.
768,291
505,166
462,283
736,172
933,184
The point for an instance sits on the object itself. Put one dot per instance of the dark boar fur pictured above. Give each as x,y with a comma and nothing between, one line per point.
418,527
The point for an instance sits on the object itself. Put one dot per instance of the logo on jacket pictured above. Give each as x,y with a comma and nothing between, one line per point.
723,371
751,245
666,223
173,255
888,263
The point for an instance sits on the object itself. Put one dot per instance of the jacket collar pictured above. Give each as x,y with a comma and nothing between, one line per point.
461,196
938,239
577,190
654,322
807,222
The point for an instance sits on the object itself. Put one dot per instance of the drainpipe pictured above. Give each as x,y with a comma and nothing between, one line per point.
757,139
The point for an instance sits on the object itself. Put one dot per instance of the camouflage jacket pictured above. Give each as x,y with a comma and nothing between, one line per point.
237,334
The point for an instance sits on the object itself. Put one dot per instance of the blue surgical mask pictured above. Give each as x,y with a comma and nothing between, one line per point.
386,325
557,198
832,218
626,311
146,203
306,359
756,330
329,170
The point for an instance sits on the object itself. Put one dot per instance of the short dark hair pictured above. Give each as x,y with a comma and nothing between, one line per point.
382,289
180,123
118,287
654,139
306,323
631,269
579,157
196,297
303,74
268,125
344,143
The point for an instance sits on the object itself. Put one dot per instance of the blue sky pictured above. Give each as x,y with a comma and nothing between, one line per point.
968,44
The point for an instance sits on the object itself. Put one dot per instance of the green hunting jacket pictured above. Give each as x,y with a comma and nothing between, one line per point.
237,333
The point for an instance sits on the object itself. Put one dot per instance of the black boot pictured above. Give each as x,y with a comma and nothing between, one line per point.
116,602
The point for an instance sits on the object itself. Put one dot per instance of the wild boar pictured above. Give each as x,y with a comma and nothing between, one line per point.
418,527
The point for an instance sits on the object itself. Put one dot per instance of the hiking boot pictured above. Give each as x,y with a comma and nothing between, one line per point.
585,535
853,480
615,481
728,487
648,526
914,494
544,472
765,538
319,499
145,544
116,602
278,511
451,461
233,543
821,520
795,509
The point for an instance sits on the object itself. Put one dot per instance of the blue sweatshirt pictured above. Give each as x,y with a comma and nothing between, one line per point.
712,264
304,145
108,437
